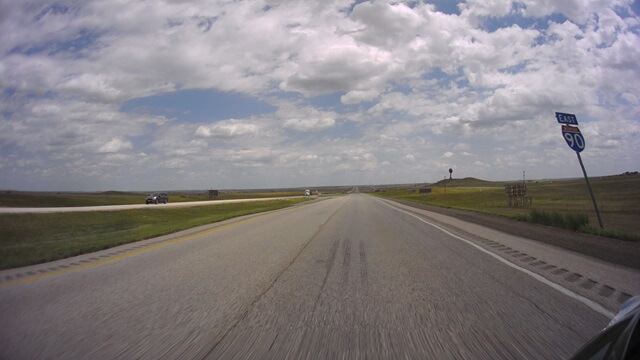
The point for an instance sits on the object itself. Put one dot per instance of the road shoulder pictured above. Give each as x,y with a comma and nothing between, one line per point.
624,253
607,283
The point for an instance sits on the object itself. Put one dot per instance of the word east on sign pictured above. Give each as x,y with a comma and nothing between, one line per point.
571,134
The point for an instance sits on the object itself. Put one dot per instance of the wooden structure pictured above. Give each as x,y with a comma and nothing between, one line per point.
517,195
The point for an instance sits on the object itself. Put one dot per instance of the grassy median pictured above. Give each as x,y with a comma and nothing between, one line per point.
27,239
63,199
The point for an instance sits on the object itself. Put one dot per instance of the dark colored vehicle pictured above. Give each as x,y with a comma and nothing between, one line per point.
620,340
157,198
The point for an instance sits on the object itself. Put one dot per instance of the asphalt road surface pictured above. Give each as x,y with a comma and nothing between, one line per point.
352,277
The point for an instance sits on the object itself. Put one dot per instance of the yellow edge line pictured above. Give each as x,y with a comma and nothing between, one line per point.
152,247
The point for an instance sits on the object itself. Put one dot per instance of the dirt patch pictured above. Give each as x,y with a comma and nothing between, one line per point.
625,253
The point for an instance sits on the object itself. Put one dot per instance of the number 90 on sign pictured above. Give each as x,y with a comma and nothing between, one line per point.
573,137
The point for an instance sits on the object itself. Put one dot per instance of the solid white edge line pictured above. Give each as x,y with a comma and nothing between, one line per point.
591,304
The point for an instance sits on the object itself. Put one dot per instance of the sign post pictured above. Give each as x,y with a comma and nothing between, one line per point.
575,140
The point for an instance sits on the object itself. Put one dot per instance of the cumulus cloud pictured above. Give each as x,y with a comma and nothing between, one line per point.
577,10
385,25
345,67
226,129
474,9
357,160
309,157
309,124
304,118
115,145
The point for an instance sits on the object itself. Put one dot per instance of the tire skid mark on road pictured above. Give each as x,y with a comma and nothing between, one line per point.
238,319
364,272
346,247
491,248
329,265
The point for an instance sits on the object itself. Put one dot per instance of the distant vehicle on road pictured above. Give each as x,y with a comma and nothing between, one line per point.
307,193
157,198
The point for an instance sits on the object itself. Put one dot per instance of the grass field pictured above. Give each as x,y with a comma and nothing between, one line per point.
618,199
63,199
27,239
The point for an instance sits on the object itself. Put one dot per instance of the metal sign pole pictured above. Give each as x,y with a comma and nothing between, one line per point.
590,191
575,140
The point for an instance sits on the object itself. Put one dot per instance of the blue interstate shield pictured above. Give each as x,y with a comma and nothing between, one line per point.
573,137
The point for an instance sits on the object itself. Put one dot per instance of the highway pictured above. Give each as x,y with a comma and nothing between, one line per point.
42,210
351,277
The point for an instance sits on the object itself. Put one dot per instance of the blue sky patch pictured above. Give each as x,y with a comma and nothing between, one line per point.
492,24
328,101
83,40
447,6
198,105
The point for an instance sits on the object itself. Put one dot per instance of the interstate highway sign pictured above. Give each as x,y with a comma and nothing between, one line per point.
568,119
573,137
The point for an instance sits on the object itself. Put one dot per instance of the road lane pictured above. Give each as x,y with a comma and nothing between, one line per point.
346,277
380,284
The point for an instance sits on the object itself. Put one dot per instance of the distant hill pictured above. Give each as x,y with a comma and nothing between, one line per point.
114,192
467,182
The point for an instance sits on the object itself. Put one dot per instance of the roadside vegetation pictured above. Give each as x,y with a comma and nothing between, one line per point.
27,239
569,221
560,203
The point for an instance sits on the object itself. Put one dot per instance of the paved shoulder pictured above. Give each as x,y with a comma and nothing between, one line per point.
625,253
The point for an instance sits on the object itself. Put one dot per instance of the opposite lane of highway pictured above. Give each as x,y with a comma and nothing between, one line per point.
42,210
345,277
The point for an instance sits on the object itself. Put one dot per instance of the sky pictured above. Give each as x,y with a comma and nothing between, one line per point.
168,95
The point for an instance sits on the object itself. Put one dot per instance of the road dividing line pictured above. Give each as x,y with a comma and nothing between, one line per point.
134,252
591,304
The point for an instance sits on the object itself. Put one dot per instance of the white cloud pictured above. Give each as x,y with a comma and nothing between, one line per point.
358,96
409,158
576,10
304,118
115,145
309,157
385,25
473,9
309,124
226,129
